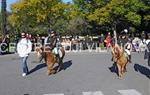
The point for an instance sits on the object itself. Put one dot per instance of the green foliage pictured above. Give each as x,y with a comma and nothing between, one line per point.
147,17
77,26
132,29
134,18
37,16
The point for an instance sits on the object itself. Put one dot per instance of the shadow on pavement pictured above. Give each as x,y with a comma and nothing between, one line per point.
43,65
38,67
66,65
143,70
113,68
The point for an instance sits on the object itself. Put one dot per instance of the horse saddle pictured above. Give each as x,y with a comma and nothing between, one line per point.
59,53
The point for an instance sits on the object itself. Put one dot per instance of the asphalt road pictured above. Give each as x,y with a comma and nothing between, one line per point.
86,73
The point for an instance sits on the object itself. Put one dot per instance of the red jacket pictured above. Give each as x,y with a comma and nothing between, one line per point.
108,40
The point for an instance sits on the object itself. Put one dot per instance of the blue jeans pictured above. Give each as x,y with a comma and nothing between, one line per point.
24,64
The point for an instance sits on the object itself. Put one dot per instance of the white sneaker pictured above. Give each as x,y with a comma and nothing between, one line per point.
24,74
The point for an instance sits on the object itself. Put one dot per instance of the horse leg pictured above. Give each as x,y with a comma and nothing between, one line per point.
119,71
50,69
125,69
122,70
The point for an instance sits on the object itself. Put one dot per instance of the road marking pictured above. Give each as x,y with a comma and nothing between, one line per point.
129,92
93,93
122,92
53,94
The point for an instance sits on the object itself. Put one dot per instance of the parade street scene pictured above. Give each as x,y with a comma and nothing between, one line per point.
75,47
84,74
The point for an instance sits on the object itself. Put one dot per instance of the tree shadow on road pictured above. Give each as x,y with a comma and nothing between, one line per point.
143,70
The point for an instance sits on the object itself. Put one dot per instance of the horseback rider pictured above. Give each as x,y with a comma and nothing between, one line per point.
51,42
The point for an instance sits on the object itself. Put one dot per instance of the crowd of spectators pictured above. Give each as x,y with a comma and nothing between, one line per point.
77,42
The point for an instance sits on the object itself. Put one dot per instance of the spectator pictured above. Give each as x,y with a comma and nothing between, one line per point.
6,40
128,49
0,43
108,40
16,39
38,39
101,39
147,51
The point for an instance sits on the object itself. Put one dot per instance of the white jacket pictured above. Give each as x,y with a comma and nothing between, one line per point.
24,47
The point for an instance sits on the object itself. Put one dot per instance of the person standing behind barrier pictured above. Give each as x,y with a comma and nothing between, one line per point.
0,43
108,40
46,38
148,51
6,40
101,39
128,49
24,47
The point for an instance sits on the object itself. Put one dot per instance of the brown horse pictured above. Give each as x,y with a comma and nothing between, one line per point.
118,56
50,59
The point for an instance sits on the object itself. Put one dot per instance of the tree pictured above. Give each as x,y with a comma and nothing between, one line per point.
92,15
28,14
89,11
118,11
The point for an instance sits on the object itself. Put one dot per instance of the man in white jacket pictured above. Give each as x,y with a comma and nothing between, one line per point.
24,47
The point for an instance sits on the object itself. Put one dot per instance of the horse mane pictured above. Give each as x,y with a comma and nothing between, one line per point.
118,50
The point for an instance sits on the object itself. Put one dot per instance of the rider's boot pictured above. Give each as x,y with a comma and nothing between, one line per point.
58,58
130,59
59,61
148,60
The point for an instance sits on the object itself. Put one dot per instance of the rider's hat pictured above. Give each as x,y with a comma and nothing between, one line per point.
49,31
53,33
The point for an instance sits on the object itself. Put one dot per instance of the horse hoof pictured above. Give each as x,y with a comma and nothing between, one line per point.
49,73
60,69
120,78
54,72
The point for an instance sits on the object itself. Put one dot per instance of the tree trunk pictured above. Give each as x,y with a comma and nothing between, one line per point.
114,31
115,36
3,10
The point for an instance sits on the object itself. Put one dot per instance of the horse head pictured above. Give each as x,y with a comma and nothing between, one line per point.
39,51
116,53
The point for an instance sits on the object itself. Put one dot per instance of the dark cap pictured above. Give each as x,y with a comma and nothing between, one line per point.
49,30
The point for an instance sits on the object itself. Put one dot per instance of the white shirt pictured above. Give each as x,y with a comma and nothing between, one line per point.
24,47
